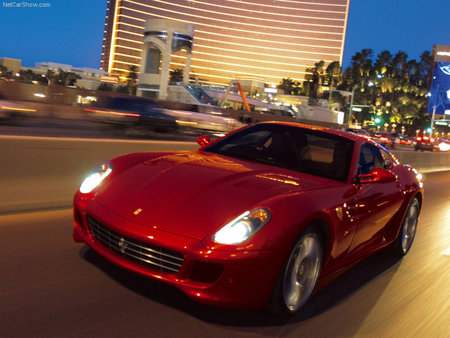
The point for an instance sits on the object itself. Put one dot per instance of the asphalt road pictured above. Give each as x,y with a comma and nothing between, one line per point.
53,287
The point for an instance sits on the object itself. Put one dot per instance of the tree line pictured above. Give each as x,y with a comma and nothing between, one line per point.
390,87
60,77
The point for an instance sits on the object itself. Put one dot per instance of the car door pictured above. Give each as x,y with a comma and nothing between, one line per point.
374,204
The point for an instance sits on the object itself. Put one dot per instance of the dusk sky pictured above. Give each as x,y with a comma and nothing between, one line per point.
71,31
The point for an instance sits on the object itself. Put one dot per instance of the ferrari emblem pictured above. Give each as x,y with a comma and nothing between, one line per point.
137,212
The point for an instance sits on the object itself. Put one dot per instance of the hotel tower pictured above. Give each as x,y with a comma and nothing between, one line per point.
264,40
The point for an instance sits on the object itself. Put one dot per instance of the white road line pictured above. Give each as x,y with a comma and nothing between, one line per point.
76,139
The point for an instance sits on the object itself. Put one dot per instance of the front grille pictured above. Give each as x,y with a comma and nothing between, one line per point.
145,254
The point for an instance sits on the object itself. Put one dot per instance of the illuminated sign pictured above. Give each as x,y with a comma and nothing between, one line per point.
441,123
109,79
270,90
440,89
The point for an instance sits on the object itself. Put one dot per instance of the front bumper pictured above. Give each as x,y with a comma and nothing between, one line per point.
233,279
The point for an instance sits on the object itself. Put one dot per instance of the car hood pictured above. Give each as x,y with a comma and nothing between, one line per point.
196,193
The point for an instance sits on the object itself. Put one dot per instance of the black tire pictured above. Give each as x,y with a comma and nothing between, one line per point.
298,278
408,229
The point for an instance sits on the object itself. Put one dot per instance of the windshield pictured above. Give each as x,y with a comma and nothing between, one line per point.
308,151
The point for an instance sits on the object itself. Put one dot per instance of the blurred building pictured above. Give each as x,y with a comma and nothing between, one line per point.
84,72
163,40
267,39
441,53
439,95
11,64
90,78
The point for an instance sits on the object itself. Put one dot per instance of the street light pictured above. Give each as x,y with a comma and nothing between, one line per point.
432,119
349,121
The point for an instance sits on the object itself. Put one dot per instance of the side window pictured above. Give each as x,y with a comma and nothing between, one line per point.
257,138
369,158
323,156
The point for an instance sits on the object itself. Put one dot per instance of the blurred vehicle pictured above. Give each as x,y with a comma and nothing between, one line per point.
424,142
407,141
443,145
402,139
204,119
10,109
386,139
360,132
265,216
5,109
133,112
374,136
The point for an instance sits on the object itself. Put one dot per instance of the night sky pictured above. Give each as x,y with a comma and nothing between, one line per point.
71,31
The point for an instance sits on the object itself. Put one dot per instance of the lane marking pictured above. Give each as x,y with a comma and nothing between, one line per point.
71,139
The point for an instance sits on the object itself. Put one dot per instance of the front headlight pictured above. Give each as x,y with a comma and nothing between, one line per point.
95,178
243,227
444,146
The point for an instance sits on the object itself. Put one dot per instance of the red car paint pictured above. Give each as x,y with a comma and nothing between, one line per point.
179,200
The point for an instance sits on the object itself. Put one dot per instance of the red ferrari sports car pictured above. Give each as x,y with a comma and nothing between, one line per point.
264,216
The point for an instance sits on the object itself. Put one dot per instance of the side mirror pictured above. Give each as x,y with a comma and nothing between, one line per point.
377,175
203,140
388,165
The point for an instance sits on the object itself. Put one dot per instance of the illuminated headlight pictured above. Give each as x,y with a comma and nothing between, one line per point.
243,227
95,178
444,146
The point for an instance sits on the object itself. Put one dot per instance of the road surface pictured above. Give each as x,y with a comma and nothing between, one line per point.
53,287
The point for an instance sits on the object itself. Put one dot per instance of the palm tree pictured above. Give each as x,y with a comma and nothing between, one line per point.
383,64
132,79
287,85
362,62
50,76
334,74
317,76
399,64
4,72
411,71
176,75
424,68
